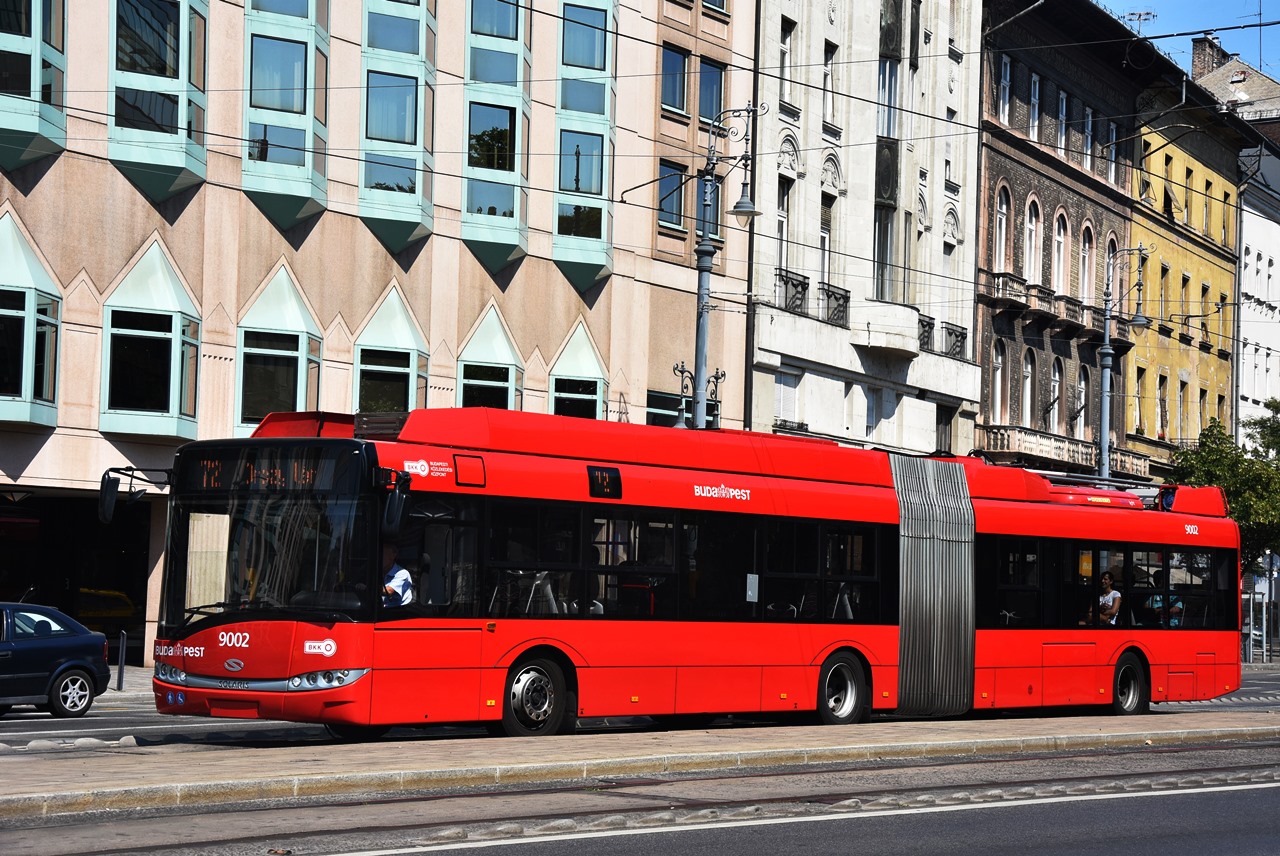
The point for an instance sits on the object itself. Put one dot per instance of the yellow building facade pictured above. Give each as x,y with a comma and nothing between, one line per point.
1183,246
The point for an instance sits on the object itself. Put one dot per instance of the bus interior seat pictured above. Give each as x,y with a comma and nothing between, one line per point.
781,610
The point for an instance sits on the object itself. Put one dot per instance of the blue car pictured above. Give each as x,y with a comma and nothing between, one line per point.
49,660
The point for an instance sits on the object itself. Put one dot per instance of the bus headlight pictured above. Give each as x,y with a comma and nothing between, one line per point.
170,674
326,680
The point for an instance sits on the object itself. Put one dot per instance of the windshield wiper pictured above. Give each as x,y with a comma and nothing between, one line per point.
223,607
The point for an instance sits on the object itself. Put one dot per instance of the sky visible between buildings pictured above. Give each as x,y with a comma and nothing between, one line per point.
1250,28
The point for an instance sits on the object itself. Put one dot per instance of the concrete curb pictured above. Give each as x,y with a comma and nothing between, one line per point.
383,783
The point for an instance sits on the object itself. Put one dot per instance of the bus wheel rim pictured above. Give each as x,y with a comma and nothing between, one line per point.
1127,688
533,696
840,692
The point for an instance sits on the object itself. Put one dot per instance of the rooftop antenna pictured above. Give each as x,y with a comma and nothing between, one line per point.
1139,17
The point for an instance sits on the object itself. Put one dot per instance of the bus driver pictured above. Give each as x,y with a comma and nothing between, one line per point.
397,585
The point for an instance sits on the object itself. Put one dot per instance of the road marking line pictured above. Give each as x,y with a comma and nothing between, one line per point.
849,815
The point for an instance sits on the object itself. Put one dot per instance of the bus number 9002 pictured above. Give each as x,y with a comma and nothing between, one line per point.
1192,529
233,639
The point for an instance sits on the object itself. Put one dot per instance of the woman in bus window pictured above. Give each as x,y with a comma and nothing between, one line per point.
1109,600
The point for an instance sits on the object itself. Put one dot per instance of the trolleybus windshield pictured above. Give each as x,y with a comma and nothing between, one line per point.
270,528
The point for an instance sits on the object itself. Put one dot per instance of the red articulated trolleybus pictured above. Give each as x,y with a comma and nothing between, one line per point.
567,568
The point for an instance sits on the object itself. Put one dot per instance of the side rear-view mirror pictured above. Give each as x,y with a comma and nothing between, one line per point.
107,494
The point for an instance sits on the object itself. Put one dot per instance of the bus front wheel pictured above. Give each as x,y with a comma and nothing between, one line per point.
537,699
842,691
1130,693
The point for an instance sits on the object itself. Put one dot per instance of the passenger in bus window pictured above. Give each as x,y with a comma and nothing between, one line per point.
397,585
1165,605
1109,600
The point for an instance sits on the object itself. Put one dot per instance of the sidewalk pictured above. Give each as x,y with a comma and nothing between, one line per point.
119,778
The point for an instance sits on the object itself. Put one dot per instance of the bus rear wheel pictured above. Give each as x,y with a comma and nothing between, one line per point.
537,699
842,691
1130,694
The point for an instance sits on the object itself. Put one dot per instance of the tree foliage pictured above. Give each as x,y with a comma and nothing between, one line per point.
1249,475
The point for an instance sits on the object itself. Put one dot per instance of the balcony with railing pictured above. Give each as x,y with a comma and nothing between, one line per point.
1043,450
955,341
1002,290
1092,316
1041,302
1070,312
926,325
833,304
1014,443
792,291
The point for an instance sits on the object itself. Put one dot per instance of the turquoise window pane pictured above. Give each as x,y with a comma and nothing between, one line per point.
147,37
144,110
393,108
580,221
581,162
582,96
383,172
278,75
493,67
491,199
392,33
274,144
584,37
294,8
492,138
494,18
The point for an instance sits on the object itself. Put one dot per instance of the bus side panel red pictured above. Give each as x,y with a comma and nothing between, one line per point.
617,691
641,667
426,674
788,688
722,688
1070,672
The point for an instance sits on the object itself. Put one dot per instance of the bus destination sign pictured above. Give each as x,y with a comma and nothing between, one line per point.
604,482
264,469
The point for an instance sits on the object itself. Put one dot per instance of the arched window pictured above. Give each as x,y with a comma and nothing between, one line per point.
1086,266
1055,398
1081,403
996,416
1058,274
1031,245
1000,252
1028,389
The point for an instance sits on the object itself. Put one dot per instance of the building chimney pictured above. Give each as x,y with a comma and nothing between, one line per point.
1207,55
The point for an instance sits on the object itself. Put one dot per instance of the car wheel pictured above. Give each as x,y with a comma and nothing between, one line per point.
71,694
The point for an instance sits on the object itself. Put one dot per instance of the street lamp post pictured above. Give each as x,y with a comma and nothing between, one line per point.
744,210
1106,353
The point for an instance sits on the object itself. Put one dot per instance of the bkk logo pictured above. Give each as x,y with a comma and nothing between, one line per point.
428,468
325,647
